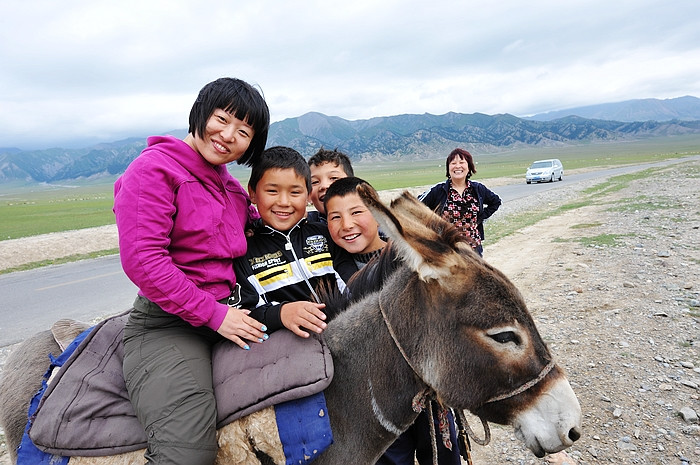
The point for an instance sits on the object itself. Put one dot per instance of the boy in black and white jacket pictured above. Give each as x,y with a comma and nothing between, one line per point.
287,256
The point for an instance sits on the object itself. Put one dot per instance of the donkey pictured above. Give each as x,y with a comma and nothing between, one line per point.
443,324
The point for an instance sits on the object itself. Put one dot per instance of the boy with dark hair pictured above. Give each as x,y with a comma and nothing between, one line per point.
327,166
287,256
350,223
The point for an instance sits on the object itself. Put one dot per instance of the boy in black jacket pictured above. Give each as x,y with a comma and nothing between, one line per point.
287,256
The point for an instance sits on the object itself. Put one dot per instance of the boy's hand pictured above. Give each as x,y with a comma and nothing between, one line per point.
239,327
296,315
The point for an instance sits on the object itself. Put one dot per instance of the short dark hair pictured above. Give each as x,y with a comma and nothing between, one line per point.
240,99
343,187
332,156
464,155
281,158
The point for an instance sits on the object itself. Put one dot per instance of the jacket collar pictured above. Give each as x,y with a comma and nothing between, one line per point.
179,151
265,229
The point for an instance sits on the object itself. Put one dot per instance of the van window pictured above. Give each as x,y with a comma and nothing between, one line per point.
541,164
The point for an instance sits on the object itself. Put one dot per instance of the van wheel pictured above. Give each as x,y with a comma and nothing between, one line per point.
551,178
527,182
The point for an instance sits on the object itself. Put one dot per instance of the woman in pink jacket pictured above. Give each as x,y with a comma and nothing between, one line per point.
181,219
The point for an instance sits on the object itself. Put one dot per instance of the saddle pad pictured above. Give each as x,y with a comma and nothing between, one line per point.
283,368
27,452
86,409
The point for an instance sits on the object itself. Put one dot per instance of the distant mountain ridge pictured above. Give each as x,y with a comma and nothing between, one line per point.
681,108
402,137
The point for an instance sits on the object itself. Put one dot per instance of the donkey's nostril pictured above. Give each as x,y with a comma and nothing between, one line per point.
574,434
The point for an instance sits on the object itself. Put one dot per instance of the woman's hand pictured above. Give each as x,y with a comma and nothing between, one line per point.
296,315
239,328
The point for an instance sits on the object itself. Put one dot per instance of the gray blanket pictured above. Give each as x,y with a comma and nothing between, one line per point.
86,411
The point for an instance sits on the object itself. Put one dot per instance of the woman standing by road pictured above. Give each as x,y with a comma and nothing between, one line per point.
462,202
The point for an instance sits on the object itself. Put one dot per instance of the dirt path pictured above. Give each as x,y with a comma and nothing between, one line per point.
623,319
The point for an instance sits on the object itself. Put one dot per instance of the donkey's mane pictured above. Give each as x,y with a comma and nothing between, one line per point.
372,276
369,279
447,231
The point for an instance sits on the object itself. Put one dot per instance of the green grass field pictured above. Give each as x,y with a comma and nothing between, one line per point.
27,210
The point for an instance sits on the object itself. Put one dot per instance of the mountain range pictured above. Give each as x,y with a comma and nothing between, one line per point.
400,137
682,108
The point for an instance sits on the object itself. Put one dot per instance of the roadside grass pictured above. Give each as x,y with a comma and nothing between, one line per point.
594,195
496,231
585,225
42,209
41,217
28,210
59,261
617,183
602,240
645,203
46,209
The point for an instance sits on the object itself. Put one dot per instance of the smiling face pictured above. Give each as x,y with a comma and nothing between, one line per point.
225,139
351,224
458,169
281,198
322,176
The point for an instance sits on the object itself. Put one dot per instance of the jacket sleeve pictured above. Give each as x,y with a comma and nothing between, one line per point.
430,197
250,298
491,202
144,207
343,263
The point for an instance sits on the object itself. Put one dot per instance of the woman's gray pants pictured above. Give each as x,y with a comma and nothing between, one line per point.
167,368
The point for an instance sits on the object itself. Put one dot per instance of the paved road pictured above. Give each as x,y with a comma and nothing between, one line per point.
32,300
517,191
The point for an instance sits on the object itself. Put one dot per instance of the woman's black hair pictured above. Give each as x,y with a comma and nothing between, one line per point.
240,99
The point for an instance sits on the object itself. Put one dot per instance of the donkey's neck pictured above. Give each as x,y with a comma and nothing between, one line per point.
369,400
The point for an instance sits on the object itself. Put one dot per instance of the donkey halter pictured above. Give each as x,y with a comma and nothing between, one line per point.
432,394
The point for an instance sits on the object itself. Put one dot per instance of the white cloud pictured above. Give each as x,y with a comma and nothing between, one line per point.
80,69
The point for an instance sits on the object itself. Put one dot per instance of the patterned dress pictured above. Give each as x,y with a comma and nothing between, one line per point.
461,209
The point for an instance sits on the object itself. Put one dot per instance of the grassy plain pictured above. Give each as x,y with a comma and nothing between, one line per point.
27,210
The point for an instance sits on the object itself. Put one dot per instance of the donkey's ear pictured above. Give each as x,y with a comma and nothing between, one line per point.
387,221
408,223
65,330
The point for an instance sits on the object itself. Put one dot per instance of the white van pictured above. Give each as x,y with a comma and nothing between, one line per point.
544,170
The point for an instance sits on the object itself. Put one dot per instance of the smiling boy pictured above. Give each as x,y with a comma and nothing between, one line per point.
327,166
288,256
350,223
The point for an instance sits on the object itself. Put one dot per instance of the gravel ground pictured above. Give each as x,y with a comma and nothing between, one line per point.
622,319
614,288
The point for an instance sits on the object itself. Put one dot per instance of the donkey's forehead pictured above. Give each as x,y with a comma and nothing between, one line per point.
428,244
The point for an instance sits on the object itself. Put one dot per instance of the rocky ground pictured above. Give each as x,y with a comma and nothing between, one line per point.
622,317
614,288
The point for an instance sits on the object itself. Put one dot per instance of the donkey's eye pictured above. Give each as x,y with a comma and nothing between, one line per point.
505,337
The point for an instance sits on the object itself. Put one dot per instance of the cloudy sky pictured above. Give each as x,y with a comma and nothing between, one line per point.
73,71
